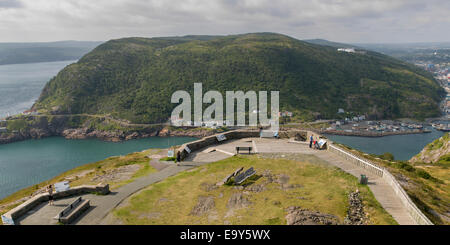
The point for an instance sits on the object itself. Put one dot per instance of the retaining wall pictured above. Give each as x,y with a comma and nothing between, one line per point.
212,140
28,205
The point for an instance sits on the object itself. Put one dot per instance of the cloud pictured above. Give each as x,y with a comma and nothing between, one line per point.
5,4
339,20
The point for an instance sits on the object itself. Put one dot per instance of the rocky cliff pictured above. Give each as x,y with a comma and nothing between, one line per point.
436,151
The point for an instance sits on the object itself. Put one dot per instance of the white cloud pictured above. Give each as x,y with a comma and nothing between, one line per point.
339,20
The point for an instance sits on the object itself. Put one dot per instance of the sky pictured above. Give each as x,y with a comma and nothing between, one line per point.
351,21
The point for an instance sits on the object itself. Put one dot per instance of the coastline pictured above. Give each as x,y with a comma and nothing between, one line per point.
91,127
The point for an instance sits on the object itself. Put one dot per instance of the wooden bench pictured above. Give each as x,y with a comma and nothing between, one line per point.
243,148
74,210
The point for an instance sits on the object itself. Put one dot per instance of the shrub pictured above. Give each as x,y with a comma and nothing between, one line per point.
406,167
387,156
423,174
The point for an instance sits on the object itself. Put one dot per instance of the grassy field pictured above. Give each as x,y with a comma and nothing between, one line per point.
91,174
317,186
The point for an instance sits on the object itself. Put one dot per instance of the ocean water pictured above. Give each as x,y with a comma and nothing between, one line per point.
21,84
30,162
403,147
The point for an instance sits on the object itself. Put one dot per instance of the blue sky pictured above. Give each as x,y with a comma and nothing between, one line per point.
352,21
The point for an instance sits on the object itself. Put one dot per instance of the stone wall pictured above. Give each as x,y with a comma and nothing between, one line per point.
23,208
212,140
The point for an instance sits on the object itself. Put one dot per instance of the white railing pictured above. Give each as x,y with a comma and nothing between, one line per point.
358,161
412,209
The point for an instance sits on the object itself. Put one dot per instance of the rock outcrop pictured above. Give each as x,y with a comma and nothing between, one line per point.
301,216
434,151
203,206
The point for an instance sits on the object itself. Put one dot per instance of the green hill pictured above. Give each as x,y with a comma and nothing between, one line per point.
134,78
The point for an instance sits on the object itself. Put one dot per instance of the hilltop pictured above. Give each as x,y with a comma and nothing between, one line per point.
134,78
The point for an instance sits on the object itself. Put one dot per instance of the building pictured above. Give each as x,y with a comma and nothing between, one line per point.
286,114
348,50
340,110
30,112
3,130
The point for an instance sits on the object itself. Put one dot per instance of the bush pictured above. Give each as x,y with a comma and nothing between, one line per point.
406,167
423,174
387,156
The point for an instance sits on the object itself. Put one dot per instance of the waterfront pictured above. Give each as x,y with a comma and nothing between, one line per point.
30,162
403,147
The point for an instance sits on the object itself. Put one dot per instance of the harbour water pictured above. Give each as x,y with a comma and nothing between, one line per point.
403,147
30,162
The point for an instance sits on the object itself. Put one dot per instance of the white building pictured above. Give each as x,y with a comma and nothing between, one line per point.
348,50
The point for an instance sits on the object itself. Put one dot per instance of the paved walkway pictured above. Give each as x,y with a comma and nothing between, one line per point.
102,205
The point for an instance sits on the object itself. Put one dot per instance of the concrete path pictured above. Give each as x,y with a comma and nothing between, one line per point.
103,205
100,205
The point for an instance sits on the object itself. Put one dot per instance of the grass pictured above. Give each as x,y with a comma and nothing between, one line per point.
324,188
91,170
168,159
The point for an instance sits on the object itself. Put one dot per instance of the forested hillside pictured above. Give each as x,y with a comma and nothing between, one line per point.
134,78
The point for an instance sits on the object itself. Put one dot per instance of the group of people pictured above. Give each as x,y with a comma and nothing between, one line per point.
313,143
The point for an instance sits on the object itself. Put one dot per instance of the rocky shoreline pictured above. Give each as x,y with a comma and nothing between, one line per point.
89,127
113,136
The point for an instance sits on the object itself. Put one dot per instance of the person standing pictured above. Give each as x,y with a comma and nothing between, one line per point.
178,157
311,138
50,194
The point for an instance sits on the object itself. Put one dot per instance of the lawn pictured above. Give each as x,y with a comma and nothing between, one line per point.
317,186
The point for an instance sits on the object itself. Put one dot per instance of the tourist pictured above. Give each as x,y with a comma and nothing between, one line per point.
50,195
311,138
178,157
